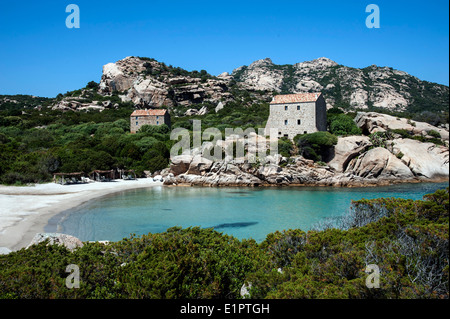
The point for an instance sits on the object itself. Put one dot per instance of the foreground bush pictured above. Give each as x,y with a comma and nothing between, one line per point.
406,239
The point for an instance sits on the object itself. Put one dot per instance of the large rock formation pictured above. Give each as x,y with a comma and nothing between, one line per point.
77,104
147,82
379,163
260,75
180,164
346,149
423,159
70,242
371,122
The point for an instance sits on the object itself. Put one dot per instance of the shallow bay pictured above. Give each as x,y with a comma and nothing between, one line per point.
241,212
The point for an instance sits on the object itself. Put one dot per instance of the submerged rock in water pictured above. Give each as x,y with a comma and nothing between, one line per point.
235,225
70,242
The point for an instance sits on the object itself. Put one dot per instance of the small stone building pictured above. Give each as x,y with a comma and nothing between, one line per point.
294,114
148,117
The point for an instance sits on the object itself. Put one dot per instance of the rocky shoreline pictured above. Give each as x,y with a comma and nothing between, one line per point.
355,161
348,184
221,175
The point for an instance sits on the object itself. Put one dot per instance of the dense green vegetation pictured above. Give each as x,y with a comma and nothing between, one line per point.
406,239
315,146
39,142
36,141
245,112
341,124
285,147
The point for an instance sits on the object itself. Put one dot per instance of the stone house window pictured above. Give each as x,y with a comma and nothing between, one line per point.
157,122
285,107
298,107
299,122
285,122
137,123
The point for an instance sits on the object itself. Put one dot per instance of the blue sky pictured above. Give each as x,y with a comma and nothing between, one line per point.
39,55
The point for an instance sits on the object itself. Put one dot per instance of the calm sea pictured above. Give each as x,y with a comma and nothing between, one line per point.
241,212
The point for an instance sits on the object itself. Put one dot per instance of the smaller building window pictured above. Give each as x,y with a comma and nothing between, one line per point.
305,132
285,122
157,122
285,107
136,118
157,117
137,123
298,107
299,122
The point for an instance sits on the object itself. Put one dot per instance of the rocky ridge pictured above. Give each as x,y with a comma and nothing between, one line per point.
149,83
372,86
77,104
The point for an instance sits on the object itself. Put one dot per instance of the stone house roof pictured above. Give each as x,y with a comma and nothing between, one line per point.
295,98
152,112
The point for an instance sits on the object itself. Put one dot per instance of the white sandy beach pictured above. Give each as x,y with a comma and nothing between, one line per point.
24,211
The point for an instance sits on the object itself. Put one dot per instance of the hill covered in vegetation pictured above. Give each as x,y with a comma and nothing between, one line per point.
88,128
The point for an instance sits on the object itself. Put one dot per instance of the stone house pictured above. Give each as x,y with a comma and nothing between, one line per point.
148,117
294,114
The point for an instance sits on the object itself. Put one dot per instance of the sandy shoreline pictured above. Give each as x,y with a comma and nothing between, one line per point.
24,211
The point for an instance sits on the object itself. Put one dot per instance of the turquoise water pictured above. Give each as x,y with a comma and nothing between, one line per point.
241,212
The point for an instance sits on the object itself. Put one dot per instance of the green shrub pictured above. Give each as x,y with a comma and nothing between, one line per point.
92,85
379,139
285,147
434,134
342,125
402,132
155,163
316,146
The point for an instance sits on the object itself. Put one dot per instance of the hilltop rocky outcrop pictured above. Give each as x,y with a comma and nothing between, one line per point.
341,85
78,104
149,83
